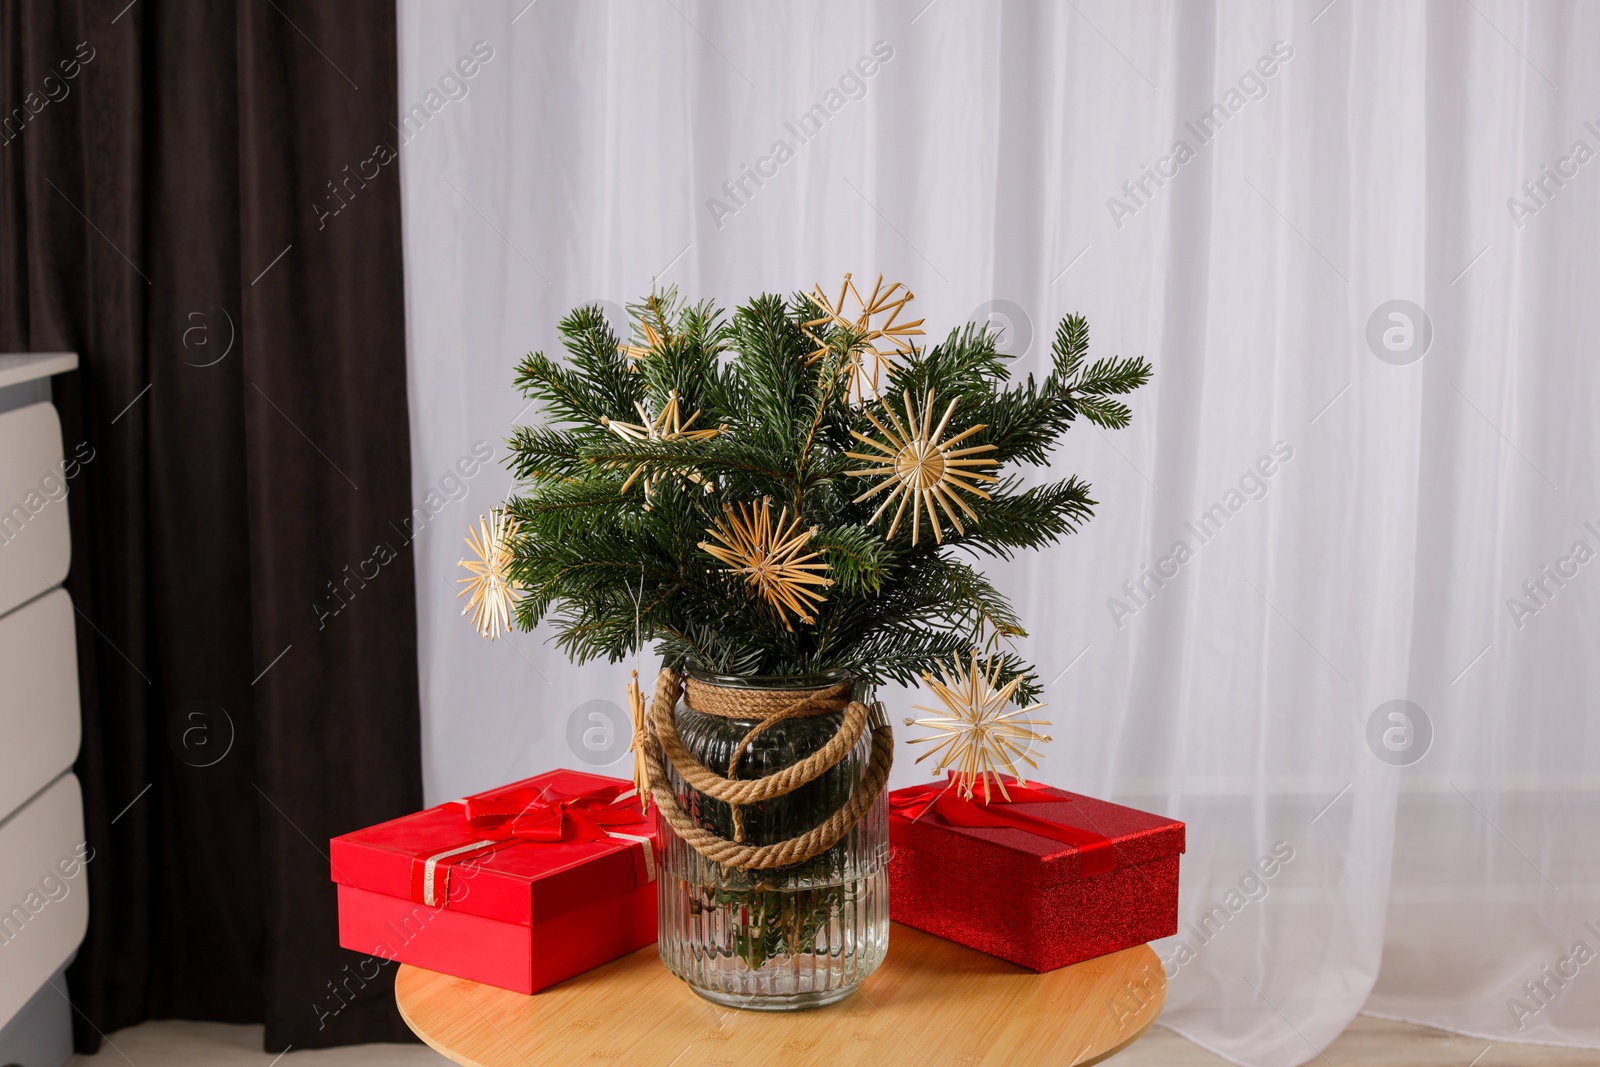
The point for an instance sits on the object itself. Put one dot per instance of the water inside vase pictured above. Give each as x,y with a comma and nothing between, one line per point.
790,937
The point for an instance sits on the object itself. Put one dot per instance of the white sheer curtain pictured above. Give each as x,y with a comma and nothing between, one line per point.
1368,493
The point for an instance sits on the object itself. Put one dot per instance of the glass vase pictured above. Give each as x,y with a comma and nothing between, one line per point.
791,937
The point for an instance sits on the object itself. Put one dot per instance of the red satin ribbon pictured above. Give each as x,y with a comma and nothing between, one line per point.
536,814
1096,852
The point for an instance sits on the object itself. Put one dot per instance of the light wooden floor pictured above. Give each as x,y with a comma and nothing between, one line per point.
1367,1043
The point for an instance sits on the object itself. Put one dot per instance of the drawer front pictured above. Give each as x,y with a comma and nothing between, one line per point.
35,543
44,891
39,719
41,1034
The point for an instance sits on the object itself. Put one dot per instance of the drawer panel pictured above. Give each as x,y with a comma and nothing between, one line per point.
41,1034
35,542
39,717
44,891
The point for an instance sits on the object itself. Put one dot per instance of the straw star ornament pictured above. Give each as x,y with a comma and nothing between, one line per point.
654,343
768,556
668,425
656,334
494,592
638,746
973,731
919,466
871,355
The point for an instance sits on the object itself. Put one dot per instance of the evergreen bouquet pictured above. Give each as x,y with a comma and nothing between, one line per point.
794,488
737,491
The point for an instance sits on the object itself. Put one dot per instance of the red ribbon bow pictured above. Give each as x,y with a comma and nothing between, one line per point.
535,814
1096,852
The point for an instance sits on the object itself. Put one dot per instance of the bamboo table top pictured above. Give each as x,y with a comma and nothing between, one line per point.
932,1002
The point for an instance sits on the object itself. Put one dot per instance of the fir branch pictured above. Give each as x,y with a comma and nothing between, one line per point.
556,510
1032,519
719,456
1106,378
547,452
856,555
770,379
1070,347
598,384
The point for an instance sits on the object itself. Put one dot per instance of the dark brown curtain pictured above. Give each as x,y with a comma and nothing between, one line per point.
203,200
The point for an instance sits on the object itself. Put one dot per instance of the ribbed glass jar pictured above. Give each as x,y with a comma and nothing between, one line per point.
791,937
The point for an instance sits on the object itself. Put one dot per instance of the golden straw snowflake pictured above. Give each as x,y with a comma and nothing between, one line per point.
494,592
666,426
917,466
767,555
975,733
872,353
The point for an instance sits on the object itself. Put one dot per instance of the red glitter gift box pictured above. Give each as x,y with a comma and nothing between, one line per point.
519,887
1044,879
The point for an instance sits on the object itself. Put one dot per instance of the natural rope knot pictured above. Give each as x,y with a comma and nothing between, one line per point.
767,706
770,706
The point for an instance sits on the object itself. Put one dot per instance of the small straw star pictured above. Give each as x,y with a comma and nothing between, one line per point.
641,758
494,592
666,426
919,467
654,343
973,731
767,555
872,353
656,334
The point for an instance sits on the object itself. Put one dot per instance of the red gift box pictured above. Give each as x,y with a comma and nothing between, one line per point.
519,887
1045,879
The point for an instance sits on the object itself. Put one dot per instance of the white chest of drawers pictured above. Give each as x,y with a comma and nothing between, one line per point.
44,897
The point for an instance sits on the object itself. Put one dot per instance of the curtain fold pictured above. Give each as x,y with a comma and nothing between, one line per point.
194,202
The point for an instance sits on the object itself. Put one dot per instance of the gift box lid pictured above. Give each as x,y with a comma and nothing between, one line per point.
1112,836
522,881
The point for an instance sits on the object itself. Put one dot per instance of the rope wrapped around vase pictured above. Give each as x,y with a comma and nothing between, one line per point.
662,743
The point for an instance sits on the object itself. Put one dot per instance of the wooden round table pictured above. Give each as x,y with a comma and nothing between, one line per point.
932,1002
